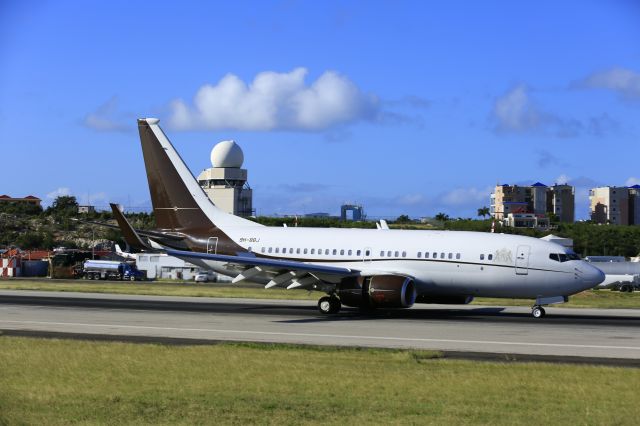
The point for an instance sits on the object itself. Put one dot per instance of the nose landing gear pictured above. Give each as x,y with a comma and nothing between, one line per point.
538,311
329,305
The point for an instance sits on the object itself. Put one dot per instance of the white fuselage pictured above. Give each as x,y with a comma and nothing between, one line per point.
440,262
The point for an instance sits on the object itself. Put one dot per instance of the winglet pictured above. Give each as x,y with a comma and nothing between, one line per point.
129,234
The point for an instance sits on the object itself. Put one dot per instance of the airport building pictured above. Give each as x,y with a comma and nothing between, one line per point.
531,206
162,266
225,183
617,205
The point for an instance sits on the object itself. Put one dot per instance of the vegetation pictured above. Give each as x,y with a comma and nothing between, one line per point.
587,299
29,227
484,212
64,382
442,217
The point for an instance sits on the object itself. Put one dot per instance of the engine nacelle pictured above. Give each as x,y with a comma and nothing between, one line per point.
445,300
378,291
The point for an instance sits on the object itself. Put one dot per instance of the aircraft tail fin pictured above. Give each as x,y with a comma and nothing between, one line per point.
179,203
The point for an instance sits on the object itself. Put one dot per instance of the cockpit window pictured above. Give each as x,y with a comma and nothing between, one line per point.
564,257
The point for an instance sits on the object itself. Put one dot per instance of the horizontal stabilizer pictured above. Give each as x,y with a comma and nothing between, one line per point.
129,234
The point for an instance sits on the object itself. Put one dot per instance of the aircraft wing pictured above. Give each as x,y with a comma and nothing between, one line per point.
287,273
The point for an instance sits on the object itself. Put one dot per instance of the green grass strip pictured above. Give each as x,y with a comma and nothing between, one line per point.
53,381
587,299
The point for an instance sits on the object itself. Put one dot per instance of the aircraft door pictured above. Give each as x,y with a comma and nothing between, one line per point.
212,245
522,260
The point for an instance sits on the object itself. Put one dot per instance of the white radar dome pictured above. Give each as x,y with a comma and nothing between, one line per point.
227,154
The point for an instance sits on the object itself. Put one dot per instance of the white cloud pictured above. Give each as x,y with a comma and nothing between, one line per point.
412,200
562,179
275,101
515,112
104,118
620,80
632,181
62,191
466,197
93,199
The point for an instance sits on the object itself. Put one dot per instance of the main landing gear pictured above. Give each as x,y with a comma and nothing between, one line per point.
329,305
538,311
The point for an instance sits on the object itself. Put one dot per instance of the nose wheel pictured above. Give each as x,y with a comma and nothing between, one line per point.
538,312
329,305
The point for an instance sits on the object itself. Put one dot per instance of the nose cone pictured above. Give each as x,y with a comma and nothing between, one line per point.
591,275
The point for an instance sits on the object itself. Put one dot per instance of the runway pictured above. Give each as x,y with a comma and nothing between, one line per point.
565,332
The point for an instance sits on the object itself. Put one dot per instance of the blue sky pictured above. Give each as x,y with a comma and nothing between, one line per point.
406,107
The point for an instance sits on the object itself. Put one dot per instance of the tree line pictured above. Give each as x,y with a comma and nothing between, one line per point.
31,227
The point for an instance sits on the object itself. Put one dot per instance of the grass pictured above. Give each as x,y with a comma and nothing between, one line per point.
588,299
603,299
160,289
55,381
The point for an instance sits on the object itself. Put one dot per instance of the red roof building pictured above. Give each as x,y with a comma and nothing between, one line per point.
28,199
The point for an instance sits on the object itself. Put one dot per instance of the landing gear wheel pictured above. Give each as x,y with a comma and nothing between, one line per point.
329,305
538,312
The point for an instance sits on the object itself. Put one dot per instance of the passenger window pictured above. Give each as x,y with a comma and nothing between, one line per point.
326,252
482,257
342,252
490,257
419,254
442,255
291,251
335,252
397,254
313,251
305,251
269,249
404,254
349,253
389,253
458,256
435,255
426,254
262,249
277,249
367,253
382,253
450,255
298,251
358,253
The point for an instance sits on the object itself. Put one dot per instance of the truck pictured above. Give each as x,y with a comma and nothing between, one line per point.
111,270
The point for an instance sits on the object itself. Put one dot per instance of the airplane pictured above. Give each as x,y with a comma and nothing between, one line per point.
365,268
124,254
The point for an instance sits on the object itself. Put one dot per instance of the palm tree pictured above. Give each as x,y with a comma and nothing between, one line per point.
442,217
483,211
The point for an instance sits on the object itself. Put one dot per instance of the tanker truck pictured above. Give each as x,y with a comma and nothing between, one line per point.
111,270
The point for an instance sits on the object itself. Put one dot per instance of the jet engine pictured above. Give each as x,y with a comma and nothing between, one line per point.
378,291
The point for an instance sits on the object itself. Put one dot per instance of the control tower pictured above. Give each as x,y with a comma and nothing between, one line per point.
226,181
